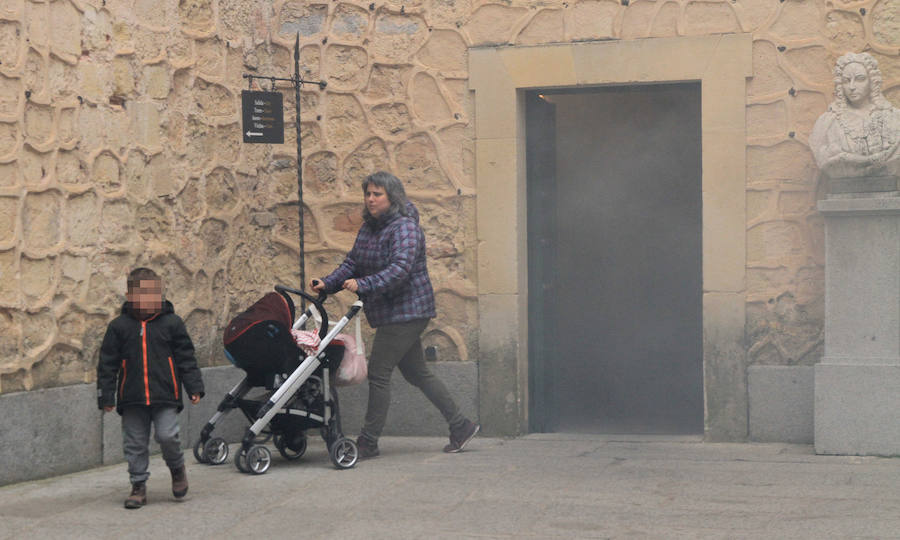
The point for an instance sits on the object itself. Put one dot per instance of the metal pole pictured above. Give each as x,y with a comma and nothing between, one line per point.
297,84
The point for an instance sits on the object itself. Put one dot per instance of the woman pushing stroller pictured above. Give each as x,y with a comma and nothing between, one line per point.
387,268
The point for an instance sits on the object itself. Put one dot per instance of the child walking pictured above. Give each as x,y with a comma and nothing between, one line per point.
145,359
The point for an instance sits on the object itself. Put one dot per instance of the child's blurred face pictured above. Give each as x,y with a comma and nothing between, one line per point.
146,296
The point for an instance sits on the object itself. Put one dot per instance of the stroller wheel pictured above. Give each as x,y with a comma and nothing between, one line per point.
216,451
344,453
199,452
240,461
258,459
293,450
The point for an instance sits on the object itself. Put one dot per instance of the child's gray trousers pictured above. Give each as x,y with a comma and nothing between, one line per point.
136,438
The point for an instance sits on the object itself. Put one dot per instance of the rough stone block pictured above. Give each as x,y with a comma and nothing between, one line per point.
862,286
156,80
724,208
497,213
49,432
592,20
500,395
725,373
856,409
710,18
145,122
65,28
768,77
41,220
766,120
885,25
123,76
544,66
781,403
493,24
547,26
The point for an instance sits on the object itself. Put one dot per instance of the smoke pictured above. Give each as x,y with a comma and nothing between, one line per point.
625,221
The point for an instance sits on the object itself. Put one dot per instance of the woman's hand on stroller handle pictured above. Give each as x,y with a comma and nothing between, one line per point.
318,285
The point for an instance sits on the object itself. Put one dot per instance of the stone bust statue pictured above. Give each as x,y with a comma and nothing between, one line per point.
859,135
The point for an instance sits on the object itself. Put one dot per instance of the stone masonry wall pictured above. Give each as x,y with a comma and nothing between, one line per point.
120,145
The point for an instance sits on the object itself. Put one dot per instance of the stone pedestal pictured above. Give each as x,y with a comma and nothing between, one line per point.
857,384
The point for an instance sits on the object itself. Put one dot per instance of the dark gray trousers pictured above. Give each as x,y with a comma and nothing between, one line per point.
398,345
136,438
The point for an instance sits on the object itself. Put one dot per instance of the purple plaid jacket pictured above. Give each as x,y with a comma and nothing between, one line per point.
388,263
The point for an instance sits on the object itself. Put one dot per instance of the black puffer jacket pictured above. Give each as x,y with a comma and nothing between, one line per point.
146,362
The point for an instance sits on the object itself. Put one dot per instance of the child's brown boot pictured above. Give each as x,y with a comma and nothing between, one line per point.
179,482
138,497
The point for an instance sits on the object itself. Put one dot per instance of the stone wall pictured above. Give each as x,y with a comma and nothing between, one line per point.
795,48
119,145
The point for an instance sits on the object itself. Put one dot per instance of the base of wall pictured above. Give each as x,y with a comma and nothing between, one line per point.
60,430
856,409
781,403
49,432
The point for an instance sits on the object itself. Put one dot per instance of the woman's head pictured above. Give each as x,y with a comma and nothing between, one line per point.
384,195
857,80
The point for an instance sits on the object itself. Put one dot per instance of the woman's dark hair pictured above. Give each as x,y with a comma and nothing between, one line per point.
393,187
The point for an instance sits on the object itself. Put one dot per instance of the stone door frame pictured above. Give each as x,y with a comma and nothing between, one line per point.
499,76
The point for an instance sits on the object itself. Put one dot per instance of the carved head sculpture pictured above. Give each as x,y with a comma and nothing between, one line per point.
857,79
859,135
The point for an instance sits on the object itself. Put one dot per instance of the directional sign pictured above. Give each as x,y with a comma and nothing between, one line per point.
263,117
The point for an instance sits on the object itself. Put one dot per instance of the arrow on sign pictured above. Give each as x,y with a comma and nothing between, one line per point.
254,134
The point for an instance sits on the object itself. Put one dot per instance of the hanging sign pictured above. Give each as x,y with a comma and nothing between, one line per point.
263,117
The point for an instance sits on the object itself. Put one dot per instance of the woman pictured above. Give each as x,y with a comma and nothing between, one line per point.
386,267
859,135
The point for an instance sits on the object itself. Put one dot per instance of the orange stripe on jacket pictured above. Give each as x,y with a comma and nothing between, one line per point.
174,380
146,373
144,330
124,376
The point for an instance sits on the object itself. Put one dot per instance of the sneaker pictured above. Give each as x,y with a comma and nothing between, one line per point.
367,448
179,482
138,497
461,436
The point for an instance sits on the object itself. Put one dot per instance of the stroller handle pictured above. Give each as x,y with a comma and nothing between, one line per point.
323,330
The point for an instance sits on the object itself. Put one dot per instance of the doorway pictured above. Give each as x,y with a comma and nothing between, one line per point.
614,259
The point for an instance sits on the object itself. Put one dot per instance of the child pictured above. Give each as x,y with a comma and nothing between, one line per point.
145,358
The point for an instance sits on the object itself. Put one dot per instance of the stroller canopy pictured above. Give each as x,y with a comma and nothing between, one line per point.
271,307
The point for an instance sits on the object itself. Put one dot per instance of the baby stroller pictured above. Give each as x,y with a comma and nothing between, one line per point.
259,341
